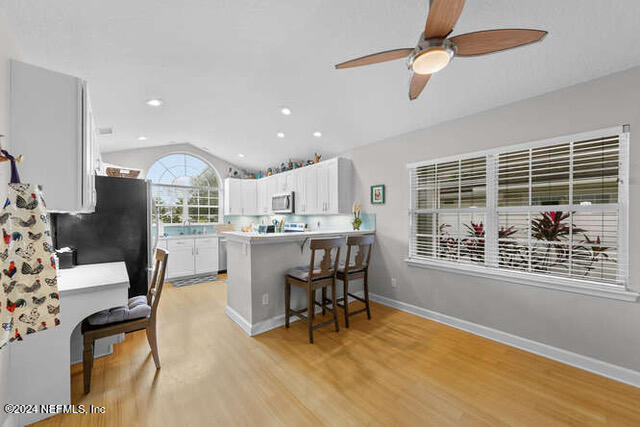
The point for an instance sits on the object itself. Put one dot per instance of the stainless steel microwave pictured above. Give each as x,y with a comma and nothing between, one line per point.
282,203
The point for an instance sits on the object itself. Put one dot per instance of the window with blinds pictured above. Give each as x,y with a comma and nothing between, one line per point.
554,208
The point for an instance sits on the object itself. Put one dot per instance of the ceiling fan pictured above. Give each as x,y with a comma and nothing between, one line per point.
435,49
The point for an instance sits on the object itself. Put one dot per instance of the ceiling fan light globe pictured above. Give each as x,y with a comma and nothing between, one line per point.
431,61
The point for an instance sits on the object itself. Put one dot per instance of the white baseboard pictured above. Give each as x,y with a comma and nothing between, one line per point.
236,317
618,373
259,327
268,324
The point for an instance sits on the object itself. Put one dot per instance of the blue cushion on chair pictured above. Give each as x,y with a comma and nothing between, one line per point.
137,308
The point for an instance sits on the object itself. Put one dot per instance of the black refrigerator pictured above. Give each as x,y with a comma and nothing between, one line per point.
118,230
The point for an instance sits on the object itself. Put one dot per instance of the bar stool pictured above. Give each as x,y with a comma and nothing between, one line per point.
314,277
358,269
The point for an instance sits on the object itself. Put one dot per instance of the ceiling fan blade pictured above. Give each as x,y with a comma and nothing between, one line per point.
443,15
417,84
388,55
483,42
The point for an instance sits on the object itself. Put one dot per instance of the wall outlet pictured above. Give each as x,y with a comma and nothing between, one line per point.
265,299
394,282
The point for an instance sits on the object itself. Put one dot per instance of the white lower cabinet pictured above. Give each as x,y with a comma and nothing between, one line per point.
206,255
181,257
190,256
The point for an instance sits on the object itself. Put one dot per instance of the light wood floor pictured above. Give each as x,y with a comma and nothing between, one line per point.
397,369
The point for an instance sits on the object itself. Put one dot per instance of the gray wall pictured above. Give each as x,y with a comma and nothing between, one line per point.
5,53
601,328
143,158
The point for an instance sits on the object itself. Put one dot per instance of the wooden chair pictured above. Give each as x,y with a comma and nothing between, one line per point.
312,278
93,332
358,269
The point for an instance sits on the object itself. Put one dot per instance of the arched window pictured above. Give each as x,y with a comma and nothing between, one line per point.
185,190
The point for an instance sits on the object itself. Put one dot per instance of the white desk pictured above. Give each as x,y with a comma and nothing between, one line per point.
40,364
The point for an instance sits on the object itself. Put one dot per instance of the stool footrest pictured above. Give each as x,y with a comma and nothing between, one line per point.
320,325
298,313
327,301
362,310
341,300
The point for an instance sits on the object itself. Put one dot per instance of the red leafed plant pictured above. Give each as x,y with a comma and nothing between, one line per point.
589,253
550,227
553,251
473,246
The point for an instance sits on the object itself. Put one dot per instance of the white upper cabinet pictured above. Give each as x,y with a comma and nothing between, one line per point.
311,187
51,124
285,182
240,196
320,189
300,195
249,197
264,202
233,196
272,188
331,197
329,187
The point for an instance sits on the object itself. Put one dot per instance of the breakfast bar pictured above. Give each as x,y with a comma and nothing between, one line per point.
256,268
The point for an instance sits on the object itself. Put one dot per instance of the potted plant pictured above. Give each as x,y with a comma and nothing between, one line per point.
357,221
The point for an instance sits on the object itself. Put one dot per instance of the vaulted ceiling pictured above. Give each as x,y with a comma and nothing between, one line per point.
224,68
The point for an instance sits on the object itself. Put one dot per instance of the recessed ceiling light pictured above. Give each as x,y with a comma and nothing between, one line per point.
155,102
142,138
286,111
317,134
240,155
280,134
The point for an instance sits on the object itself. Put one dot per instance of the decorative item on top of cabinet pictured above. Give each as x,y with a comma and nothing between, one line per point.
51,123
377,194
123,173
287,166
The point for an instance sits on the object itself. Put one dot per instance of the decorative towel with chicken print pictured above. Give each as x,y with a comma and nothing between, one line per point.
29,294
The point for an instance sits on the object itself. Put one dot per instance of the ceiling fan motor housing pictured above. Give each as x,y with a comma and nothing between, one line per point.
424,46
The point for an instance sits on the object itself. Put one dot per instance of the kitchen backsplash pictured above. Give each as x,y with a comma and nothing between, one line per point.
314,222
178,230
319,222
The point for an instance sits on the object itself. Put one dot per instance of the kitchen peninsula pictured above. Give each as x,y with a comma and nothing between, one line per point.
256,268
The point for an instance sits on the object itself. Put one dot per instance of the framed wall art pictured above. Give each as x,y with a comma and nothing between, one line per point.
377,194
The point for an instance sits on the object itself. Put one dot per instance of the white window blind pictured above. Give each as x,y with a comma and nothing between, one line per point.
555,208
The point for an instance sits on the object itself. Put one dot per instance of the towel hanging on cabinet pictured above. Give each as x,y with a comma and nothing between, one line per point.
29,294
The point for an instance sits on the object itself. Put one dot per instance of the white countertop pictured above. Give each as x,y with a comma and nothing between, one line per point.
253,237
189,236
88,276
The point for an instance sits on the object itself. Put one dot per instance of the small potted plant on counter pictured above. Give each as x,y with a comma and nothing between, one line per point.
357,221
